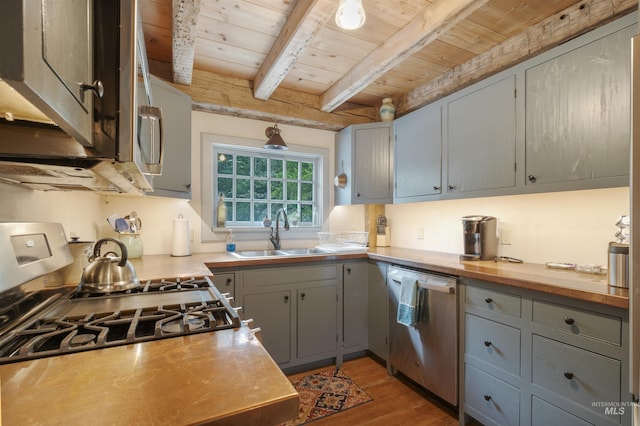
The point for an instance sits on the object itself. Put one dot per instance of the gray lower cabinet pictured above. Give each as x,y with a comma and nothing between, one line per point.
355,313
378,309
577,112
532,358
226,284
300,309
481,138
418,155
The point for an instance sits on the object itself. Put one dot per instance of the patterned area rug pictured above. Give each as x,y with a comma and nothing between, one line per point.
325,393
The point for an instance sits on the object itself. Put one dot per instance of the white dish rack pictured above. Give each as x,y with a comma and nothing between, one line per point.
351,241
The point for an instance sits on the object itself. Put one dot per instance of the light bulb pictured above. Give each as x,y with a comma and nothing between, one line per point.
350,14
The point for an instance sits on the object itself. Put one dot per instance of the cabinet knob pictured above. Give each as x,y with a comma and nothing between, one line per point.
228,282
451,187
487,397
568,375
531,178
97,88
349,271
436,188
302,295
286,299
487,343
569,321
357,194
488,299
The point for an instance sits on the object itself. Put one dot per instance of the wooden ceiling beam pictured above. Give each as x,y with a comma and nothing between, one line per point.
563,26
185,25
437,18
215,93
306,19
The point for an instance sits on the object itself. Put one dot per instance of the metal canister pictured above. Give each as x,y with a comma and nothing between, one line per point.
618,265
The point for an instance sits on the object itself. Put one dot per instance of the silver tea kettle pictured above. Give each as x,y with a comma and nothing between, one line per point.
108,273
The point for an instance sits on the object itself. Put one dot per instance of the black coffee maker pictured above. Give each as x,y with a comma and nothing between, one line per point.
480,240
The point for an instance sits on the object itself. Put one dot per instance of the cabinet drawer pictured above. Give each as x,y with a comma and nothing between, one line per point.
292,275
494,343
491,397
545,414
493,300
579,375
578,321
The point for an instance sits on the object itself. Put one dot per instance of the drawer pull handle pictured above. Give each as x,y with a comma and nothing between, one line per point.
569,321
487,397
228,282
568,375
286,299
487,343
488,299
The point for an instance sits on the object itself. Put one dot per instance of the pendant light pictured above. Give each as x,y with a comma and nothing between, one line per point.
350,14
275,140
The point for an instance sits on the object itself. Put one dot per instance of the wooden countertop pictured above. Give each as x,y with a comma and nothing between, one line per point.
223,378
533,276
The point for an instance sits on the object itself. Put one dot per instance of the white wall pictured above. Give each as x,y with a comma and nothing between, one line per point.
571,226
565,226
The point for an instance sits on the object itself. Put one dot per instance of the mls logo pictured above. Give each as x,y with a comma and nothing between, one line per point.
614,411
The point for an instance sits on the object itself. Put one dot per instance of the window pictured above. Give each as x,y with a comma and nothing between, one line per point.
255,183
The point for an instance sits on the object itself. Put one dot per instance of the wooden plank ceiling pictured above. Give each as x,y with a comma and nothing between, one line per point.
287,61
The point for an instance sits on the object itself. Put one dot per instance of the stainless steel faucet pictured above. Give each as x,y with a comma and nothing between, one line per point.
275,239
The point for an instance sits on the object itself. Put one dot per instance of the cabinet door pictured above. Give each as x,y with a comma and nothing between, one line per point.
481,138
577,115
355,314
377,315
317,320
371,165
272,313
226,283
418,154
175,180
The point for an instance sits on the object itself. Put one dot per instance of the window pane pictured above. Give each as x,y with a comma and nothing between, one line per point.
243,188
276,168
292,169
225,185
307,171
276,190
243,166
243,212
260,167
260,189
274,209
306,192
225,164
260,211
292,191
306,213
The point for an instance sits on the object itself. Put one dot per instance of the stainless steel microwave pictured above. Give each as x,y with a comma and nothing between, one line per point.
76,108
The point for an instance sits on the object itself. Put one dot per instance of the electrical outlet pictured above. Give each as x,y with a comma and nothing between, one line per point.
420,232
505,236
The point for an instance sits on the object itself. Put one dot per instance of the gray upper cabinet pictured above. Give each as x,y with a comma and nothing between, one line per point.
481,138
577,112
47,57
363,152
175,180
418,155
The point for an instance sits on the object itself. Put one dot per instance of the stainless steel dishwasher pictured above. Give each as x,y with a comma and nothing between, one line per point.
427,352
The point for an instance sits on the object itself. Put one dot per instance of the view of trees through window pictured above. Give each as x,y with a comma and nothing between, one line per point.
255,185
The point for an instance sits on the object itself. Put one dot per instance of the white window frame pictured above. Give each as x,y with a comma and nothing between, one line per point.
211,233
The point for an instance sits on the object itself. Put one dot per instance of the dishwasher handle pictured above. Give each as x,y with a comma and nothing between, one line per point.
448,286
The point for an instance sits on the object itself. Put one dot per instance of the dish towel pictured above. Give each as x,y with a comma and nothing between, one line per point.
408,303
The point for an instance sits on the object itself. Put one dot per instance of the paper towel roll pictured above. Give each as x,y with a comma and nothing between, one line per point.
181,237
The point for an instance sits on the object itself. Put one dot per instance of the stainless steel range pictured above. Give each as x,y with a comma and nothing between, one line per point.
36,321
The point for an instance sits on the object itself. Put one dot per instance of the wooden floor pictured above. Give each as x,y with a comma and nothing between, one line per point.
395,402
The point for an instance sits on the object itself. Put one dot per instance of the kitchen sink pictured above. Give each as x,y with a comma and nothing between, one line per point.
252,254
